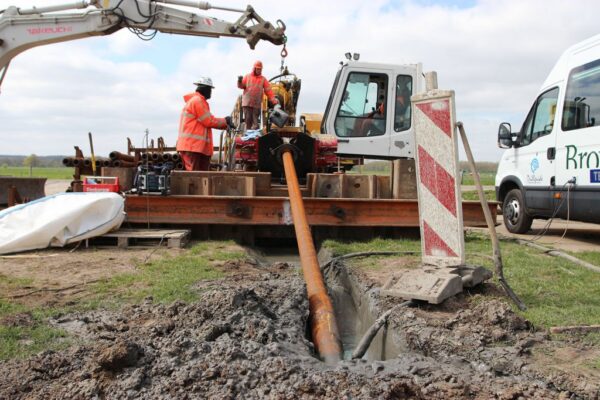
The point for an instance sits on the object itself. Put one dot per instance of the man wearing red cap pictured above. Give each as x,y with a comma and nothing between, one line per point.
254,85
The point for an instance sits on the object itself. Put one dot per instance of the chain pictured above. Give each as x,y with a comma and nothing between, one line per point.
284,53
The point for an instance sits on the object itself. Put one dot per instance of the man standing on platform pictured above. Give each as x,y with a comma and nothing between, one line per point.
254,85
195,142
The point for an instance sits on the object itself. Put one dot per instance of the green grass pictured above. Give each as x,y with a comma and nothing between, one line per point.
10,282
18,342
169,278
593,257
490,195
487,178
166,280
38,172
556,292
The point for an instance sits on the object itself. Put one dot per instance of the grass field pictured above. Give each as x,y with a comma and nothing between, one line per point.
556,291
165,280
490,195
487,178
38,172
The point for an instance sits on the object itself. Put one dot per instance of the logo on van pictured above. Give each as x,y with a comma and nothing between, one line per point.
580,160
535,165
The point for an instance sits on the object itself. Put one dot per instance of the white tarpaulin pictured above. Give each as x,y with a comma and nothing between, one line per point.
58,220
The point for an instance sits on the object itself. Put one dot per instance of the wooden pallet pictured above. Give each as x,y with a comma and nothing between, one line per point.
147,237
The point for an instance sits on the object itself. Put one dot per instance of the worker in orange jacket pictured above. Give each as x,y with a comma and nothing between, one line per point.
195,142
254,85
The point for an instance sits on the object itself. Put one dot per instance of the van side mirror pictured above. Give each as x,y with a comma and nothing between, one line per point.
505,136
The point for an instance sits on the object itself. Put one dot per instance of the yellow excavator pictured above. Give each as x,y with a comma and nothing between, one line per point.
242,150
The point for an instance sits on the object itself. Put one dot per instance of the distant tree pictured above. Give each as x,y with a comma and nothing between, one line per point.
31,161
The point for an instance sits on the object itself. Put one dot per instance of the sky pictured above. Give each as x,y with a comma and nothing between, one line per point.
494,54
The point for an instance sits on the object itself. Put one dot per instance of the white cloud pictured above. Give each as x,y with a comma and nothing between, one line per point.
495,55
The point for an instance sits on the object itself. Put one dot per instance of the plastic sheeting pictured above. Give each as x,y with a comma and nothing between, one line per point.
59,220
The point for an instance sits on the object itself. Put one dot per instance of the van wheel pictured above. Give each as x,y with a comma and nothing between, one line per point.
515,217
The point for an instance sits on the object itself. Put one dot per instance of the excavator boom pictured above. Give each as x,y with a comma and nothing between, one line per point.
22,29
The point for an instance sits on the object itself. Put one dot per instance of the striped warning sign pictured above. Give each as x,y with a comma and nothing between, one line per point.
440,207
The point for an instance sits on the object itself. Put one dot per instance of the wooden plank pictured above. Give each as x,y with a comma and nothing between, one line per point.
232,186
194,182
125,175
144,238
359,186
404,179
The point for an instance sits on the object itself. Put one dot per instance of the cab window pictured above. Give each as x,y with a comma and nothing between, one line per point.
362,110
540,120
402,107
582,98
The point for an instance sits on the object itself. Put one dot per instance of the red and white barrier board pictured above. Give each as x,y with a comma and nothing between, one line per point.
440,205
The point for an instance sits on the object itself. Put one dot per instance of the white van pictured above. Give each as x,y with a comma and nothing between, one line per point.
552,165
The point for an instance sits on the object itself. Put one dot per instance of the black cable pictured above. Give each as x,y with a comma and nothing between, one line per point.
545,228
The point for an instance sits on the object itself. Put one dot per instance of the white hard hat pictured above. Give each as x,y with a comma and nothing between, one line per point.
205,81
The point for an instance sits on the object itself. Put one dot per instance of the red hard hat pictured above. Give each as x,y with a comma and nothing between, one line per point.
258,64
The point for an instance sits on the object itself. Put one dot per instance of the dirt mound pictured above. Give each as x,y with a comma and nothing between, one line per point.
248,339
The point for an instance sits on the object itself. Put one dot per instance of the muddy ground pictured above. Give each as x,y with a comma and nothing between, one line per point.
246,337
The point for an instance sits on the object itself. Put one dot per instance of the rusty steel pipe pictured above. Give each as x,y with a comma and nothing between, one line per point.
323,325
115,155
123,164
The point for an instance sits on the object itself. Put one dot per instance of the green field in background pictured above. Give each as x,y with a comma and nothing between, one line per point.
38,172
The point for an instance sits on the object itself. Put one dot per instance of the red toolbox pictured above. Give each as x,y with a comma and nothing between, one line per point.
101,184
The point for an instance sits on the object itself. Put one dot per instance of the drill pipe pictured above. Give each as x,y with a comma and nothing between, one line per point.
323,325
115,155
123,164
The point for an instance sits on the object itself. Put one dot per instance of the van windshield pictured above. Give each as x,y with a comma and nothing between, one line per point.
582,98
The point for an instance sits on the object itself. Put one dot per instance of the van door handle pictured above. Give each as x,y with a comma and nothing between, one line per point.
343,140
551,153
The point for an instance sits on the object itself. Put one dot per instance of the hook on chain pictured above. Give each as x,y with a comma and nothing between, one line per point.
284,53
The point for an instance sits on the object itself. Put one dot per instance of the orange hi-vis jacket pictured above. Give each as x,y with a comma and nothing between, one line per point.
195,133
254,86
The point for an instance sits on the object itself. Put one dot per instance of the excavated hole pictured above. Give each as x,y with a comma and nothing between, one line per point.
354,308
355,314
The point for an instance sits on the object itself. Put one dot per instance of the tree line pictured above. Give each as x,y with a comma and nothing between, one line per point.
32,160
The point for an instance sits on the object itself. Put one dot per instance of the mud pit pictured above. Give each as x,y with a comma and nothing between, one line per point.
246,337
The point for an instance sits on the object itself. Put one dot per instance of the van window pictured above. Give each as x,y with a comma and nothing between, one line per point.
402,105
582,98
540,120
362,110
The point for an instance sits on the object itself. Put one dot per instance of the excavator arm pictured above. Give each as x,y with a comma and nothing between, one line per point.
22,29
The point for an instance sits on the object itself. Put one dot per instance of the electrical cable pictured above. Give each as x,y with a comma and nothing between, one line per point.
545,228
568,215
127,21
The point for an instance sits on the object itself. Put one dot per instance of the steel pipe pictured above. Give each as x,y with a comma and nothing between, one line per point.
123,164
323,324
115,155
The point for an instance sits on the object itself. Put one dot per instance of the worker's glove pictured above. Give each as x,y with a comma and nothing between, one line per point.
229,122
277,106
